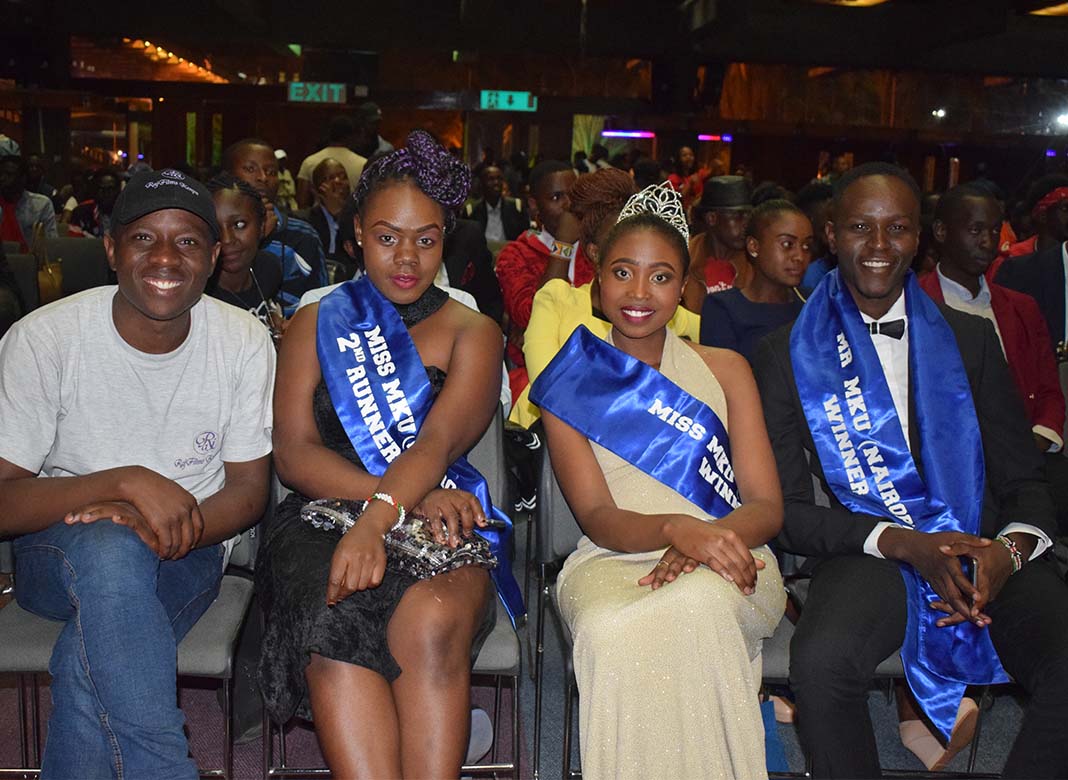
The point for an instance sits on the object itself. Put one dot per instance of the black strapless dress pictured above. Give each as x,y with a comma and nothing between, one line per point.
291,576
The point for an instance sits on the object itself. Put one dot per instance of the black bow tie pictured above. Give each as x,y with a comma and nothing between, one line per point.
895,329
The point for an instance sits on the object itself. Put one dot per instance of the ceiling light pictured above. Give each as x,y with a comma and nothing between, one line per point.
628,134
852,3
1054,9
1062,120
939,113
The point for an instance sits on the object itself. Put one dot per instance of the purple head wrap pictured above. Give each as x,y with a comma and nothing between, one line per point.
440,176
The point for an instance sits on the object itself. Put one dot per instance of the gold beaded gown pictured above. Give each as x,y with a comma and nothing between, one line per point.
668,678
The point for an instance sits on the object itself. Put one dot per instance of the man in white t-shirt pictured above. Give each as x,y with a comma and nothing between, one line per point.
340,137
135,433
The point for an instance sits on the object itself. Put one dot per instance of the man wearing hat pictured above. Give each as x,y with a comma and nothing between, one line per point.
135,432
717,256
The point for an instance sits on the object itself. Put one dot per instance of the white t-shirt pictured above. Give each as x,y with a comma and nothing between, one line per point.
75,398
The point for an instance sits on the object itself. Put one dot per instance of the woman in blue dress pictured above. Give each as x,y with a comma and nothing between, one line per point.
778,244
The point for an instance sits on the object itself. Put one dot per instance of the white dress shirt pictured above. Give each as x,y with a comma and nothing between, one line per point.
1064,259
894,359
960,298
494,223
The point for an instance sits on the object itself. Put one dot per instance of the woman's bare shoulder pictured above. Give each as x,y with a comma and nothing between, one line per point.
728,366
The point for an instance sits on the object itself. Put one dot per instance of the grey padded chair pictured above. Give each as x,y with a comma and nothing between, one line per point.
85,264
557,533
499,657
205,652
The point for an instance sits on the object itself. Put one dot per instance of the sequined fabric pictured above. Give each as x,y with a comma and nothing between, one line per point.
668,679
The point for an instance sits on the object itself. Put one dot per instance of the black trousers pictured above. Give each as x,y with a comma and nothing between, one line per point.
854,617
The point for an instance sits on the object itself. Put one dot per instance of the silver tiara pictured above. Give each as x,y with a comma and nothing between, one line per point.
661,200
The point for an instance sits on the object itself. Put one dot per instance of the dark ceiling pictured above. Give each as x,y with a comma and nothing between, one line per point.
996,37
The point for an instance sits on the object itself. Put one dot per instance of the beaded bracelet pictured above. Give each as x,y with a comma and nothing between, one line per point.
387,498
1014,553
566,251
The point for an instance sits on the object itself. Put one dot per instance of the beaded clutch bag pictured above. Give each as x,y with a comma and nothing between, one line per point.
410,547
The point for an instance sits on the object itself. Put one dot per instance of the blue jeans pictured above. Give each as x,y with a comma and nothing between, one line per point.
114,694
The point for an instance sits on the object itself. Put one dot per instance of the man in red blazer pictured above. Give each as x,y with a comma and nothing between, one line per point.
966,228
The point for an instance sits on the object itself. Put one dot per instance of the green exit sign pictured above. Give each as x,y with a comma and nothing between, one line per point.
316,92
499,100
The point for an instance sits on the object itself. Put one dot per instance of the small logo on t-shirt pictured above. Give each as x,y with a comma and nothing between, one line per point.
173,174
206,442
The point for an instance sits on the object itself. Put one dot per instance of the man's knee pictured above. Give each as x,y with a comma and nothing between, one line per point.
829,663
105,554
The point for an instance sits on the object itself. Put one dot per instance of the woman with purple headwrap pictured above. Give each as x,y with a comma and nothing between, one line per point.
379,659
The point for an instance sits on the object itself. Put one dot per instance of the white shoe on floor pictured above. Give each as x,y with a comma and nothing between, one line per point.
481,736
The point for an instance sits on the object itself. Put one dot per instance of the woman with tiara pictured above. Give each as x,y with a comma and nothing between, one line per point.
382,387
671,591
596,200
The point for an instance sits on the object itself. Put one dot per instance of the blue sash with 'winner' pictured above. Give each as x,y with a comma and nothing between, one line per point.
380,391
636,412
869,468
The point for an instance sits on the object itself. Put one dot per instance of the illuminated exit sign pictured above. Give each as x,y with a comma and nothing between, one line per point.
498,100
315,92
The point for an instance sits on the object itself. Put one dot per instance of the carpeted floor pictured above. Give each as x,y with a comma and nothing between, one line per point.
204,718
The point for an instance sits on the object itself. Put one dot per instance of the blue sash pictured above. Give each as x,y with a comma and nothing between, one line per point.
869,468
380,391
636,412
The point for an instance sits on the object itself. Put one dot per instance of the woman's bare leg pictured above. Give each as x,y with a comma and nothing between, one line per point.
430,636
355,719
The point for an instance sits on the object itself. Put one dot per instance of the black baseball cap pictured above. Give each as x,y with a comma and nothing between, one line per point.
150,191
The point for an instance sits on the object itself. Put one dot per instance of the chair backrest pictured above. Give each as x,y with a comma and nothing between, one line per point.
495,248
555,526
85,264
11,247
243,553
488,457
24,269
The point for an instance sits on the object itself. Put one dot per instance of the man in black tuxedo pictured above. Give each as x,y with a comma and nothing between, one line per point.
855,613
1044,274
502,219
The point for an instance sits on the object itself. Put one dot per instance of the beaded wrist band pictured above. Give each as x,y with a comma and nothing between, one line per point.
1014,553
387,498
566,251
